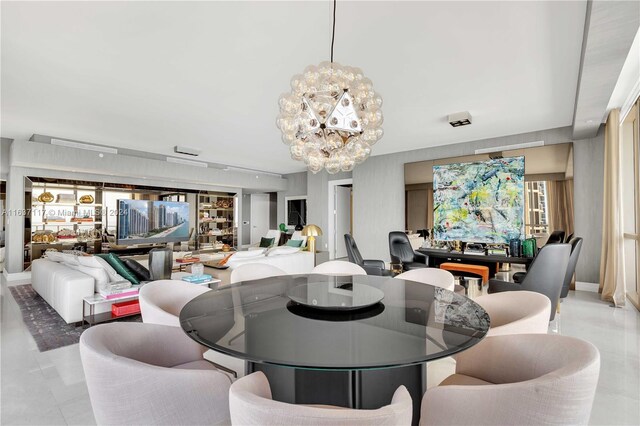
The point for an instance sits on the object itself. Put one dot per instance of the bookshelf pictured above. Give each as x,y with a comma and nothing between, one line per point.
217,220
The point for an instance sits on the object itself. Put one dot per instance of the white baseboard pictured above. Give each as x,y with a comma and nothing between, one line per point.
582,286
17,276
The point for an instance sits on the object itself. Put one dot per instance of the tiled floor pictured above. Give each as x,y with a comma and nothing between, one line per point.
48,388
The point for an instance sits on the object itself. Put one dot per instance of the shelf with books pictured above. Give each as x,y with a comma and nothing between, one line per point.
217,212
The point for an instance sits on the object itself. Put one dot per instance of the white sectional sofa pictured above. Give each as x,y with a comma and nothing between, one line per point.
298,262
62,287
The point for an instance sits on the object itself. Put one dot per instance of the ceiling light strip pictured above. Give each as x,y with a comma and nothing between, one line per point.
85,146
187,162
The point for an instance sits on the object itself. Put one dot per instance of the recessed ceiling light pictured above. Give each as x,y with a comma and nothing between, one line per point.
589,121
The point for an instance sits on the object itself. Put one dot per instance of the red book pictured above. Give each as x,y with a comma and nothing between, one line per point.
125,308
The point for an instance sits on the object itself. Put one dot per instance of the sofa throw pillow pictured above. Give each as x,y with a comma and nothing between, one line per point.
54,256
249,254
113,274
138,270
266,242
98,274
120,267
276,251
294,243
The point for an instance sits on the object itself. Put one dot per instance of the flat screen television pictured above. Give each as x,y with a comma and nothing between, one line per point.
151,222
479,202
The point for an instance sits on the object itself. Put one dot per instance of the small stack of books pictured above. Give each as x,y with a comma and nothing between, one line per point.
197,279
112,293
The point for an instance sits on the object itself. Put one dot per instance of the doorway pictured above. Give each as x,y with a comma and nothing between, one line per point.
260,207
340,216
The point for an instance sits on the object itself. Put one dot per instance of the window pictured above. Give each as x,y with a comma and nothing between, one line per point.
536,208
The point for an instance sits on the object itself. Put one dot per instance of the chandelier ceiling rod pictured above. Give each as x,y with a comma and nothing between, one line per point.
333,31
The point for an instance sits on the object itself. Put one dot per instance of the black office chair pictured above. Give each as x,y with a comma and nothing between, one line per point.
402,252
576,246
556,237
545,275
373,267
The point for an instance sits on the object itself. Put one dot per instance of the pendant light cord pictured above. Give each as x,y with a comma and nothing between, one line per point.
333,31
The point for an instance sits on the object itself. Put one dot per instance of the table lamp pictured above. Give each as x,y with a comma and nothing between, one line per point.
311,232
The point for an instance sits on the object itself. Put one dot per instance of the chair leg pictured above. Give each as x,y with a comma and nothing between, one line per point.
558,307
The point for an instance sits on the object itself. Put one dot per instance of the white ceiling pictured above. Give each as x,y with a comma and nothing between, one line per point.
151,75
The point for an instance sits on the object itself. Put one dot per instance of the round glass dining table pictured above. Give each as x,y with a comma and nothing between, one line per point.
336,340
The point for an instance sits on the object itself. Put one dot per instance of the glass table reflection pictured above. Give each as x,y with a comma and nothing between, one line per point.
355,356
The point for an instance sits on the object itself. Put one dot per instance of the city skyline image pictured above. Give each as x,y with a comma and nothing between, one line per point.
161,220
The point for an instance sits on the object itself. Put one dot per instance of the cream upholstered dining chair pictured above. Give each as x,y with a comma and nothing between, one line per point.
524,379
151,374
433,276
254,271
161,301
516,312
338,267
251,404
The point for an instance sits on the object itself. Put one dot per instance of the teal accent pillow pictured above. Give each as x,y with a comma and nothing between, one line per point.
120,267
266,242
295,243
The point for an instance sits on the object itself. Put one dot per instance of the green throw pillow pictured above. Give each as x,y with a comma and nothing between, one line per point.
295,243
266,242
120,267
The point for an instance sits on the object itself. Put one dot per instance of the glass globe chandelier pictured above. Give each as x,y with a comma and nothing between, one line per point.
331,117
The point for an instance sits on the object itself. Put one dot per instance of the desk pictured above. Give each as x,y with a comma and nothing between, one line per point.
352,359
436,257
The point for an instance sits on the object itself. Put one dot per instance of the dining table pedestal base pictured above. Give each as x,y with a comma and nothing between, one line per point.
358,389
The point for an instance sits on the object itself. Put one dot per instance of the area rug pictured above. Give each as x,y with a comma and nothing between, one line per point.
48,328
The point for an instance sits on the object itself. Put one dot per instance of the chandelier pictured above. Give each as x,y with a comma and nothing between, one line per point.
331,117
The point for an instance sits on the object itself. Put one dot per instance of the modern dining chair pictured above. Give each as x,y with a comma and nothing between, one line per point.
556,237
151,374
161,301
433,276
516,312
372,267
254,271
524,379
251,404
338,267
576,247
401,252
545,275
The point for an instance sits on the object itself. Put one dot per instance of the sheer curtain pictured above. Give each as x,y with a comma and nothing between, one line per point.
612,278
560,198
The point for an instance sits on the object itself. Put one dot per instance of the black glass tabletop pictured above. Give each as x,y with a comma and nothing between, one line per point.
262,321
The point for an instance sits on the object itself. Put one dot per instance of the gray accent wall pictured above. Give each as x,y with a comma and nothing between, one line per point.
378,193
5,147
318,202
588,192
296,187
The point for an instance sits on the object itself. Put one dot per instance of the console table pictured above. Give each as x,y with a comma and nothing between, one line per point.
436,257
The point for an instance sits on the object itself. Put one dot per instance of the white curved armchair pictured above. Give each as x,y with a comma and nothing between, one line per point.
161,301
151,374
338,267
254,271
524,379
432,276
516,312
251,404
